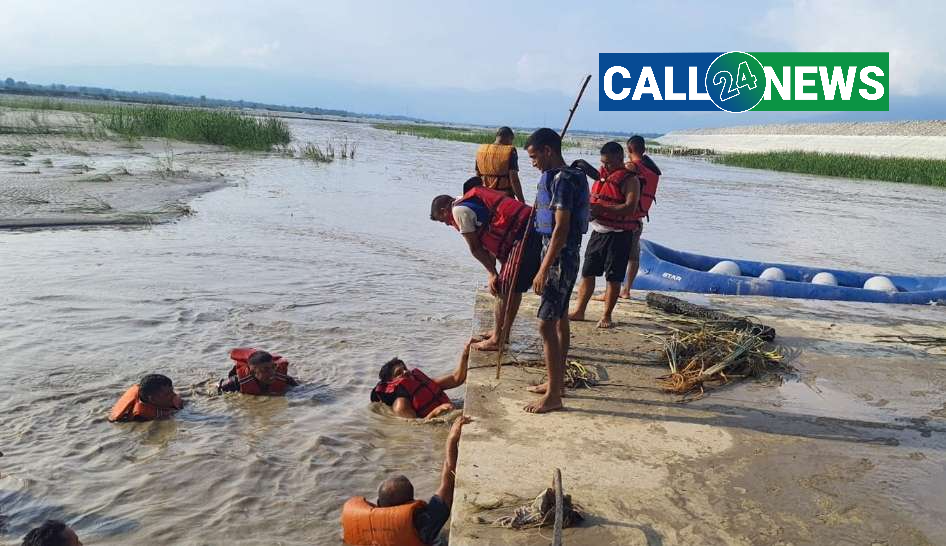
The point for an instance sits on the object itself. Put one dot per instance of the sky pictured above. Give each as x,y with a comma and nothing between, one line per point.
517,63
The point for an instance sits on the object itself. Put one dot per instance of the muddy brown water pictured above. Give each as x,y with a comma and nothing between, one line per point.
339,268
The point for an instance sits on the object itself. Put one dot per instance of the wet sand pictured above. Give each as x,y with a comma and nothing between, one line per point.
852,450
62,181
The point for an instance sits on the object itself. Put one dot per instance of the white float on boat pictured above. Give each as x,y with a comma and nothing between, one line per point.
772,274
727,267
880,283
825,278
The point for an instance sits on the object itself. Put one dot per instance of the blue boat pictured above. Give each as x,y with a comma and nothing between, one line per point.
663,268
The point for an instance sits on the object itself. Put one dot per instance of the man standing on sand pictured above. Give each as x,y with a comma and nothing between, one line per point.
497,164
561,218
613,202
494,227
649,175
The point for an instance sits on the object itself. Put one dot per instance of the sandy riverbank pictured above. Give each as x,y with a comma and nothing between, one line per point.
850,452
56,170
922,139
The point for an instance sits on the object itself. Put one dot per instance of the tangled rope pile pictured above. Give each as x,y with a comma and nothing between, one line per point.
541,513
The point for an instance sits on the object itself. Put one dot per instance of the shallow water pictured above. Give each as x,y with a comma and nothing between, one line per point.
339,268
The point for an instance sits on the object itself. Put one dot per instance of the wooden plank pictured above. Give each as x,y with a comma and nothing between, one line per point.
559,508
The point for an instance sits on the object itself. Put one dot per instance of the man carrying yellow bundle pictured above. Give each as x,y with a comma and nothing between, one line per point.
498,164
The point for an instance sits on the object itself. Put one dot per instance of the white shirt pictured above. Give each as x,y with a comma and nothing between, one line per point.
466,220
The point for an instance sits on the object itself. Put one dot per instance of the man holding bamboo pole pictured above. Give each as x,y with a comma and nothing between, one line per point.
561,218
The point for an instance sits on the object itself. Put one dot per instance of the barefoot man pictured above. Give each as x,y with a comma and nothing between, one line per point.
493,224
613,202
649,175
561,218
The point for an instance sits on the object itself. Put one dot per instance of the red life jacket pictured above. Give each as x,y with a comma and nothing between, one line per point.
424,392
607,190
507,220
648,196
249,384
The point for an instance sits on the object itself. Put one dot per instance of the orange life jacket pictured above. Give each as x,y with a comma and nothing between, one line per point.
507,220
608,190
649,179
364,524
248,383
130,407
492,165
424,392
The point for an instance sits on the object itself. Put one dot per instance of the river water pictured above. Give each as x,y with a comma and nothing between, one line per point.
338,268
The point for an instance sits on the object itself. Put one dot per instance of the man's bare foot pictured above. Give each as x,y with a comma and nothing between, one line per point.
575,315
488,344
598,297
482,336
605,322
625,294
544,405
542,388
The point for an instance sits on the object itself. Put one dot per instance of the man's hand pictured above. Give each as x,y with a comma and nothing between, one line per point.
439,410
494,284
596,209
538,284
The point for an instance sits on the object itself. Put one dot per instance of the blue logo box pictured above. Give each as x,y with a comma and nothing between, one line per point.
684,90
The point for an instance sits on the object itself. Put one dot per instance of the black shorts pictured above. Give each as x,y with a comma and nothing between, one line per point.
559,283
607,254
529,263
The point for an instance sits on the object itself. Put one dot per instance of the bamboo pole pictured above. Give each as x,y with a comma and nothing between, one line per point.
505,330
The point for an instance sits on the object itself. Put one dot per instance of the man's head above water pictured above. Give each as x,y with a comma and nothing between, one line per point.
392,369
52,533
158,390
395,491
262,367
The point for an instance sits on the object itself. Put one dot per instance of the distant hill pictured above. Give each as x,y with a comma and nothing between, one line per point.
59,90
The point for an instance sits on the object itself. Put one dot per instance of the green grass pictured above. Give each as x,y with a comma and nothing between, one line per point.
928,172
476,136
222,127
195,125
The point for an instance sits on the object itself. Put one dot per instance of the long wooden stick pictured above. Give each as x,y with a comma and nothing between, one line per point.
559,508
575,106
505,332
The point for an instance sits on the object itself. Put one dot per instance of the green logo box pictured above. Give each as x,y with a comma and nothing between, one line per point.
804,81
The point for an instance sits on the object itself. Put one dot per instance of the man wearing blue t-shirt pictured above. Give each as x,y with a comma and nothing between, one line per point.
561,218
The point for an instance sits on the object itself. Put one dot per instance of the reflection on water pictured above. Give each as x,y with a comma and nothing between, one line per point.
339,268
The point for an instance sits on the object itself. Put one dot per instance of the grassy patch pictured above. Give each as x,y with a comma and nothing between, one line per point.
928,172
194,125
222,127
313,152
476,136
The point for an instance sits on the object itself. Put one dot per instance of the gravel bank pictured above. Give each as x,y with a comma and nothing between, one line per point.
919,139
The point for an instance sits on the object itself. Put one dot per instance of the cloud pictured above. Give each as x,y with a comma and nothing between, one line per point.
910,31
